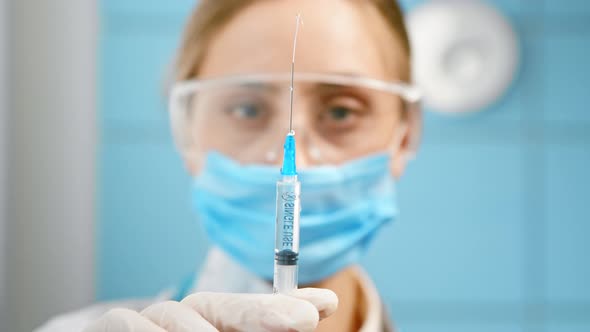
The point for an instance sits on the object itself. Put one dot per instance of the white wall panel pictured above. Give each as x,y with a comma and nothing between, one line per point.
51,158
3,144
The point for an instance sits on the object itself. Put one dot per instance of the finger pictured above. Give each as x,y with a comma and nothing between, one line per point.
325,300
123,320
254,312
177,317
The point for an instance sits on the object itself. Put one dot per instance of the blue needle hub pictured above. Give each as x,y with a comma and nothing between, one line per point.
289,155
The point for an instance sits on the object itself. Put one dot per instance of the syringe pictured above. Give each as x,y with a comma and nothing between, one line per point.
287,222
288,206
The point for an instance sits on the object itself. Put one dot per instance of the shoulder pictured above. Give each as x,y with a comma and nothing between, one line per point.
376,317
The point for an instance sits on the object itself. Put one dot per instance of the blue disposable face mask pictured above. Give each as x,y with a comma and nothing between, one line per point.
342,207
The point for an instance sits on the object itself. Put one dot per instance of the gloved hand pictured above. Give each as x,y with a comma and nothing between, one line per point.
219,312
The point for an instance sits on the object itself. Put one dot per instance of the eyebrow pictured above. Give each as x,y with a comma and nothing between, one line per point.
317,87
265,87
259,87
349,74
328,87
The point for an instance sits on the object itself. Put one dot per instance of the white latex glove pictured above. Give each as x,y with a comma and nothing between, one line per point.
221,312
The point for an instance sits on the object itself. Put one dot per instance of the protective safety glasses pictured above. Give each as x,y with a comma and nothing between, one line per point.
335,117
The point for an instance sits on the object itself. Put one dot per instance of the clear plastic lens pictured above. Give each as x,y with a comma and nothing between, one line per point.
247,119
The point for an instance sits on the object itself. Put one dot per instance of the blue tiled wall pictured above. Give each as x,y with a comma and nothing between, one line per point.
494,228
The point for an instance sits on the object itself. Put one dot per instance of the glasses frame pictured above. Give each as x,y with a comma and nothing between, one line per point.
408,92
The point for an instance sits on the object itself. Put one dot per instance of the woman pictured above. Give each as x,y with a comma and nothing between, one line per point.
355,125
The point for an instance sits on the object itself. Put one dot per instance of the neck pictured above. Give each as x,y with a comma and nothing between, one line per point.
349,315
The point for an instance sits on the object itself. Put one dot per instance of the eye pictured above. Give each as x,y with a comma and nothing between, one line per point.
247,115
245,111
341,114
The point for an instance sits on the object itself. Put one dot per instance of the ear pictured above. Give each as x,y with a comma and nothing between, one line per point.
191,164
407,145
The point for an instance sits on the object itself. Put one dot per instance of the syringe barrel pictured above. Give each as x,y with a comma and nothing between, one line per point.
287,234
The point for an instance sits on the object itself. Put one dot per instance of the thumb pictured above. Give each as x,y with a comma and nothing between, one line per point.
325,300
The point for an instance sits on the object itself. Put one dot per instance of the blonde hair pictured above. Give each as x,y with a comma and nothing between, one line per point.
211,15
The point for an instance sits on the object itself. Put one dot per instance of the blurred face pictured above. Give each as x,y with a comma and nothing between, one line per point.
337,36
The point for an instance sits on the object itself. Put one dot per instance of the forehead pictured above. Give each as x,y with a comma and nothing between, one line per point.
337,36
